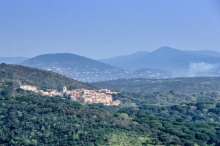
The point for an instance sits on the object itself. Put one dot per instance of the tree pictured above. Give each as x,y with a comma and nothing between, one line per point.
5,93
202,136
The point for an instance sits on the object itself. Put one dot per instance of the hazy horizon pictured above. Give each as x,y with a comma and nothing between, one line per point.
105,29
98,58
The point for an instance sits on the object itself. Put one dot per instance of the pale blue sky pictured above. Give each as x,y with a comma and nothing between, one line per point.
105,28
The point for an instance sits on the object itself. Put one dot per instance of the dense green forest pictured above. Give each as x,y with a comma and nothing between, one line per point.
41,78
154,118
31,119
200,111
178,85
195,107
169,98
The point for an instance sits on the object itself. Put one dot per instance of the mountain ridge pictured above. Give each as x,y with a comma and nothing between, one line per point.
124,58
75,66
164,62
172,60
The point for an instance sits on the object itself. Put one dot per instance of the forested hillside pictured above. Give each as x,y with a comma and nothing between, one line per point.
27,118
163,99
41,78
178,85
30,119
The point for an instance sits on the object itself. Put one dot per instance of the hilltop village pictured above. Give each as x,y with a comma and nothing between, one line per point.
103,96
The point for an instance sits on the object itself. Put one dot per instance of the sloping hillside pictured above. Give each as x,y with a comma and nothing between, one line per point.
77,67
120,60
31,119
179,85
41,78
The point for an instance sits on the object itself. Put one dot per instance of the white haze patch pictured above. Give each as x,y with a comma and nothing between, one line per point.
201,68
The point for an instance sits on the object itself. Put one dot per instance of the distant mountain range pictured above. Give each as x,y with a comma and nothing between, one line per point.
164,62
77,67
123,59
179,63
85,69
12,60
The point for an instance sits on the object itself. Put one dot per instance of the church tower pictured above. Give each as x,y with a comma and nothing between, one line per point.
64,89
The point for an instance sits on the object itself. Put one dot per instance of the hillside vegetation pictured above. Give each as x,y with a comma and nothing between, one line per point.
31,119
178,85
27,118
41,78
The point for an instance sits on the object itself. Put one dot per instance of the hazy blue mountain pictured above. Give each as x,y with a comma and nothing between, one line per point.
85,69
12,60
206,53
147,60
75,66
164,62
180,63
121,60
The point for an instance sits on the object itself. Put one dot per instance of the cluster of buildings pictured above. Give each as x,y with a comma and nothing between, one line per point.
49,92
91,96
103,96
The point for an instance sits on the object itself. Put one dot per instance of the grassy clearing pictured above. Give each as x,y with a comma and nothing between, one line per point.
127,139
